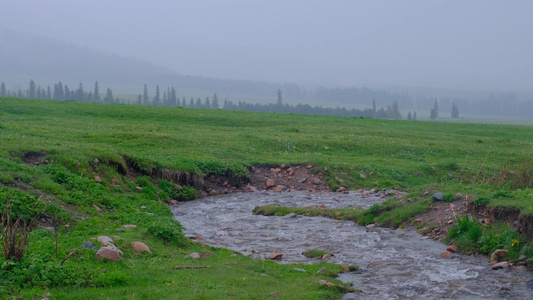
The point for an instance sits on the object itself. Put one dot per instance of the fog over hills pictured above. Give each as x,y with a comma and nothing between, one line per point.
346,53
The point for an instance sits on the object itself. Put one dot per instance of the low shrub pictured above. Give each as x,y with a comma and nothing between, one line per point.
168,230
481,201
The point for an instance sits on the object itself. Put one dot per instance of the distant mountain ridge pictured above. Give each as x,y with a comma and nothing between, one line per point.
24,56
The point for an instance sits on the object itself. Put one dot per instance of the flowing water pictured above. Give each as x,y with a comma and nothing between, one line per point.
394,264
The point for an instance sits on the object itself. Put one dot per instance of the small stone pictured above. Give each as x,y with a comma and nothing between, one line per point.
88,245
279,189
193,255
249,188
501,265
321,206
316,182
97,179
138,188
173,202
326,283
437,197
197,237
206,253
326,256
105,240
270,183
341,189
139,247
96,207
362,175
237,242
212,193
276,170
499,255
417,221
302,180
450,221
452,248
274,294
143,207
276,256
345,267
130,226
487,221
283,166
309,166
446,254
325,169
458,196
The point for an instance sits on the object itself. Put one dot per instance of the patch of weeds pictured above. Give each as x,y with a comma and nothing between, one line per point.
500,236
314,253
112,278
481,201
374,209
168,230
447,197
502,194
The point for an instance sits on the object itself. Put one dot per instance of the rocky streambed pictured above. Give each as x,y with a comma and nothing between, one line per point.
394,264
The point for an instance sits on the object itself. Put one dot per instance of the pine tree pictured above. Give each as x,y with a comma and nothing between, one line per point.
198,103
280,102
374,105
97,93
173,99
67,93
455,111
32,90
139,99
393,112
157,100
79,93
434,113
3,91
191,103
48,93
215,104
207,103
109,96
414,116
146,99
409,117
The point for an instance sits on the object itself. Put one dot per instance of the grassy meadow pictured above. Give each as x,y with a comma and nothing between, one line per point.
79,141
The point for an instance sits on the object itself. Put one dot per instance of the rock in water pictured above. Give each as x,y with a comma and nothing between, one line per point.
499,255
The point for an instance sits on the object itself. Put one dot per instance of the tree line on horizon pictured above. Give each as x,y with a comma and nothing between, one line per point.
169,98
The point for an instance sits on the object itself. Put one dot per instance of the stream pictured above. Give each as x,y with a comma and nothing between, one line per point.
394,264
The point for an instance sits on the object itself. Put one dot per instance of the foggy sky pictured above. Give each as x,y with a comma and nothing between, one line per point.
447,44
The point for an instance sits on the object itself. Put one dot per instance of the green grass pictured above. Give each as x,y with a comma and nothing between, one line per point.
79,141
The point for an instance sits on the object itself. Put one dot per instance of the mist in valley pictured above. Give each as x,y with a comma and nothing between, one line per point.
473,54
